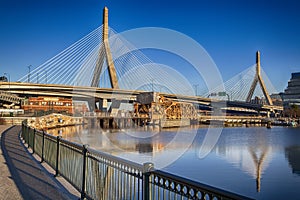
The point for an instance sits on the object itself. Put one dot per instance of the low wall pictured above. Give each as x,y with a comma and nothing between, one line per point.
12,120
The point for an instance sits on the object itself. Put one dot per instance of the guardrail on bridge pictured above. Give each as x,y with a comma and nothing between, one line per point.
98,175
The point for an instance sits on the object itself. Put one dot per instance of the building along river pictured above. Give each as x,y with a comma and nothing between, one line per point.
256,162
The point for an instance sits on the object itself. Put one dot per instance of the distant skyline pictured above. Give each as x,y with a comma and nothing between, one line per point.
33,31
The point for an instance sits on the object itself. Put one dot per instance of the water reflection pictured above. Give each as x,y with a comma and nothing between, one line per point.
116,141
292,154
138,145
256,161
251,155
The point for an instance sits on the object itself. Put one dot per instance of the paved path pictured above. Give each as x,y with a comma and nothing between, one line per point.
8,188
21,176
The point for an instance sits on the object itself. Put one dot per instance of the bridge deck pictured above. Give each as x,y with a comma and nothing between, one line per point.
79,92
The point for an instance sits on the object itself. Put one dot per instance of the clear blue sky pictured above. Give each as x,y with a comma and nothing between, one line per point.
33,31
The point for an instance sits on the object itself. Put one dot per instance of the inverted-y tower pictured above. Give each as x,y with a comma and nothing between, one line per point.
105,53
259,79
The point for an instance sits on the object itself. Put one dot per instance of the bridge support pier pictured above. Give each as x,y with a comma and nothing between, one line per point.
105,52
102,105
258,79
105,123
92,105
114,107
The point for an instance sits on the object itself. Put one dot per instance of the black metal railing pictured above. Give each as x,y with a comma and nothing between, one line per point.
98,175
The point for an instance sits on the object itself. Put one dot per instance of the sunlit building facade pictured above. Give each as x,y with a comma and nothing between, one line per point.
53,104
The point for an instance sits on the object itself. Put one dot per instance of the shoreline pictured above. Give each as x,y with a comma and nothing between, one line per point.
54,121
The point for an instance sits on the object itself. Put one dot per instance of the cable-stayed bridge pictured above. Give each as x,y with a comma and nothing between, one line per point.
104,65
238,87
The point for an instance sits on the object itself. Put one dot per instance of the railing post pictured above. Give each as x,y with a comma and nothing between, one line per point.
57,155
28,138
43,146
33,140
25,134
84,152
147,168
23,130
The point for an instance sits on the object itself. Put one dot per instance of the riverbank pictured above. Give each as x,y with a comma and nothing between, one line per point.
12,120
53,121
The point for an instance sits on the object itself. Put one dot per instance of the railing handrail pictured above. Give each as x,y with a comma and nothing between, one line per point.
74,145
93,153
194,184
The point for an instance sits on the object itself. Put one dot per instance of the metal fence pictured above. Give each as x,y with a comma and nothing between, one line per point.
98,175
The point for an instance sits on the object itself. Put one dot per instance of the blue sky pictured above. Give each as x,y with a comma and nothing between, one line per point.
33,31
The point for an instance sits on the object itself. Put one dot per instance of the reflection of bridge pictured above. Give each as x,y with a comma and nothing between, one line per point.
93,69
252,158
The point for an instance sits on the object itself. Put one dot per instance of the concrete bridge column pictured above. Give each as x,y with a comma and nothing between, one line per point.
120,122
92,122
101,123
135,123
105,123
114,123
103,105
92,105
114,108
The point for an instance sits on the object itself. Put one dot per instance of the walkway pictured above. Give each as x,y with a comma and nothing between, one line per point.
22,176
8,188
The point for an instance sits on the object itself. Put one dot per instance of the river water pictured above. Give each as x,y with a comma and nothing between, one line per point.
256,162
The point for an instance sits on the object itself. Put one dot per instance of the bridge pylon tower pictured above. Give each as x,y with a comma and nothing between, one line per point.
105,53
258,79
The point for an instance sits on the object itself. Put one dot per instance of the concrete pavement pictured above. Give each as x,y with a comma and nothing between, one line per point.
21,175
8,188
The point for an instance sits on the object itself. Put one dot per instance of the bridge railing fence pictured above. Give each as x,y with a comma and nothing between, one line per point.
117,178
71,162
38,143
50,151
98,175
164,185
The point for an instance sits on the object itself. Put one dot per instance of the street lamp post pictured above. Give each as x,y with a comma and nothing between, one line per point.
196,88
160,88
7,74
152,85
